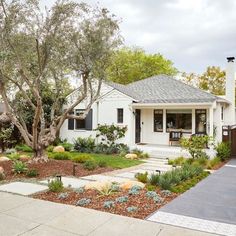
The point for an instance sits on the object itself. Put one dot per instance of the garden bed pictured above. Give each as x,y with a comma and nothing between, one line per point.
52,168
145,205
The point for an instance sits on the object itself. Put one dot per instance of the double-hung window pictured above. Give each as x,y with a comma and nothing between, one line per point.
120,115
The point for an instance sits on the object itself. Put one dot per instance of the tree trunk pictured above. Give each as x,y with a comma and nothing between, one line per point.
40,155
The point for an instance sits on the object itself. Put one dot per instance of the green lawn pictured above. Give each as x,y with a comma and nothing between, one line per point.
113,161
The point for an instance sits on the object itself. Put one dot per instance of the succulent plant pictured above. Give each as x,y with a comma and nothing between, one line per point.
62,196
122,199
83,202
115,187
133,192
157,199
166,193
151,194
136,188
109,204
79,190
132,209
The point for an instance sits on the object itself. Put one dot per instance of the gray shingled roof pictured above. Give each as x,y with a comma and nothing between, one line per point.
164,89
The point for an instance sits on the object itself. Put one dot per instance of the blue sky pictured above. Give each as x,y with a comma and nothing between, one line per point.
192,33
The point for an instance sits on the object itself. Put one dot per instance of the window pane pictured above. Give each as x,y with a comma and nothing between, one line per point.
158,120
120,115
79,124
175,120
201,120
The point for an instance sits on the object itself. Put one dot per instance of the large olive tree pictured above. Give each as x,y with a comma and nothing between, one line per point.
41,48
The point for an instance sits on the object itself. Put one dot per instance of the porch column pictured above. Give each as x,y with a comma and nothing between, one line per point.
193,122
211,122
164,120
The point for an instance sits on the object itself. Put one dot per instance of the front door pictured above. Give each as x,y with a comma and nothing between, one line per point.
137,126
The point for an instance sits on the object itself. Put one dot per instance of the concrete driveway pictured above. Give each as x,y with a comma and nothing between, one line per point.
213,199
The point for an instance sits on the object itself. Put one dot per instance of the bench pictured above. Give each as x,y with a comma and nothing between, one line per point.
175,136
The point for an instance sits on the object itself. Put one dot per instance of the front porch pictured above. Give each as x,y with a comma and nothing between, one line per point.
166,151
154,124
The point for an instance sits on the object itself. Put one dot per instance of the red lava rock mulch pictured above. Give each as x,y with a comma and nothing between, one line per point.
51,168
145,205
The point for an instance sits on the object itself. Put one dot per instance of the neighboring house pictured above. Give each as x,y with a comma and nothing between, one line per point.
154,107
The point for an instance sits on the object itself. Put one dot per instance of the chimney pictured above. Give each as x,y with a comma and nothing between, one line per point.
230,90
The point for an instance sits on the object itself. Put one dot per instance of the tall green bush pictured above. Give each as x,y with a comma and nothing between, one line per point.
223,150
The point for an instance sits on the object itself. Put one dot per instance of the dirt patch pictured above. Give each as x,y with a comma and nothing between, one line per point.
145,205
51,168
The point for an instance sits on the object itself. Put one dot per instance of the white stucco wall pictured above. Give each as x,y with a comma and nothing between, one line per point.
105,112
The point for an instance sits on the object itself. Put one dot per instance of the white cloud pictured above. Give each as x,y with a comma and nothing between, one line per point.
192,33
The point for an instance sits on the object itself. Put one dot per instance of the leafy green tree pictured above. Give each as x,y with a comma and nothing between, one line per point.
132,64
212,80
39,49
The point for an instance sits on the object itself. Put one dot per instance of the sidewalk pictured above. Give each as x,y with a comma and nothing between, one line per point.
26,216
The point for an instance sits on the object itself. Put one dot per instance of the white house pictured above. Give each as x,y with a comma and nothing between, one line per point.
156,109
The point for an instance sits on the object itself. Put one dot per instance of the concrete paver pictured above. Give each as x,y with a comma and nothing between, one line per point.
22,188
11,226
38,211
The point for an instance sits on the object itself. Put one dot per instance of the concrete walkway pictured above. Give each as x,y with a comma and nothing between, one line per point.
210,205
25,216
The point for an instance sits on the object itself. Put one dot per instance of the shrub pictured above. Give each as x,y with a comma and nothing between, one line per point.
202,161
109,134
122,199
84,144
82,158
131,209
10,150
14,156
102,163
178,161
90,165
213,162
19,167
109,204
32,173
154,179
67,146
142,177
140,154
83,202
150,187
23,148
223,150
195,145
174,177
55,185
50,148
61,156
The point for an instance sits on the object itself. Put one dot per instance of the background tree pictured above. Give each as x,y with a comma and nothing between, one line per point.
132,64
212,80
39,49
